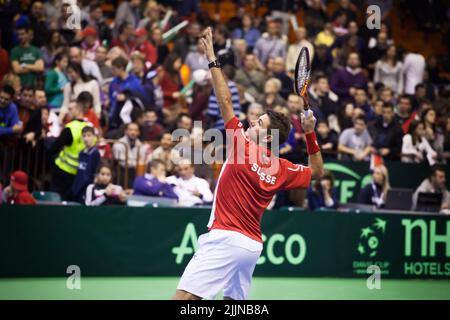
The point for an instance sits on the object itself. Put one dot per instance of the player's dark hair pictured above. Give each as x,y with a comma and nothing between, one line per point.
280,122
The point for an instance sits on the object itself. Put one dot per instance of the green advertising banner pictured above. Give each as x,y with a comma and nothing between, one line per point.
123,241
352,176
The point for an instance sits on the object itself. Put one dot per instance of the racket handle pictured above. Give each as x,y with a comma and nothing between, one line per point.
306,105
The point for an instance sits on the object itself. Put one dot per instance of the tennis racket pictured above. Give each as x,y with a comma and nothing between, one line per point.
303,76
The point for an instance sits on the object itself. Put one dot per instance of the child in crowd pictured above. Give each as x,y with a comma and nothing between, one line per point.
17,191
89,160
102,191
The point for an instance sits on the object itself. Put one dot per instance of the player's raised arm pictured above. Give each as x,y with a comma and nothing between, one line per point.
315,161
223,94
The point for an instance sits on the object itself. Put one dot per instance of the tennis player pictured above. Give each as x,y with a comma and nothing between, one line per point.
227,254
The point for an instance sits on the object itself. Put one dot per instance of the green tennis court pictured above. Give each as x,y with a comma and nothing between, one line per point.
263,288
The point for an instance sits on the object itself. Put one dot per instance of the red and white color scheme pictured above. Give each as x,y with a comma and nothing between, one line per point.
228,253
246,186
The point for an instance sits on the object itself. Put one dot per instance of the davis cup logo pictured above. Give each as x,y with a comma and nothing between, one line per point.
369,239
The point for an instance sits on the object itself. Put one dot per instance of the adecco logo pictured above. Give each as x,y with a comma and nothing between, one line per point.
347,181
279,248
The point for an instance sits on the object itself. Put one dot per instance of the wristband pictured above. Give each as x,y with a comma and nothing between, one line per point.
312,146
214,64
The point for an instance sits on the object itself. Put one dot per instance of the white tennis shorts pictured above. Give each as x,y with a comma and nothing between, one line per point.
224,260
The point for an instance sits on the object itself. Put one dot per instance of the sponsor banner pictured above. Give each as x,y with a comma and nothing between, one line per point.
352,176
123,241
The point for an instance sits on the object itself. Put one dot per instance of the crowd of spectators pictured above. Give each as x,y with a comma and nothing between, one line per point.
115,89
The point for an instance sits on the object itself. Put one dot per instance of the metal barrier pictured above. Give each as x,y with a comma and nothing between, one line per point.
38,163
33,160
124,171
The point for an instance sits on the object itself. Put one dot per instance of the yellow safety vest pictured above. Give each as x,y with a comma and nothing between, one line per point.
68,157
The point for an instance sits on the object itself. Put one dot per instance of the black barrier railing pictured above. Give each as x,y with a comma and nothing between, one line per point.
33,159
37,161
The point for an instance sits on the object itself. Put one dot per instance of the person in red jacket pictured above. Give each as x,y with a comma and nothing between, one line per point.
144,46
17,191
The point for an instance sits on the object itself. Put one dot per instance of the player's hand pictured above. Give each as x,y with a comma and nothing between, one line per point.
207,42
308,121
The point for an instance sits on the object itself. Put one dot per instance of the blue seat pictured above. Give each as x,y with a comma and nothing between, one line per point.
292,209
70,203
145,201
46,196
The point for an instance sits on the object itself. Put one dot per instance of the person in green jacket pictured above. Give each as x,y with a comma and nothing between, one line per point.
56,80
